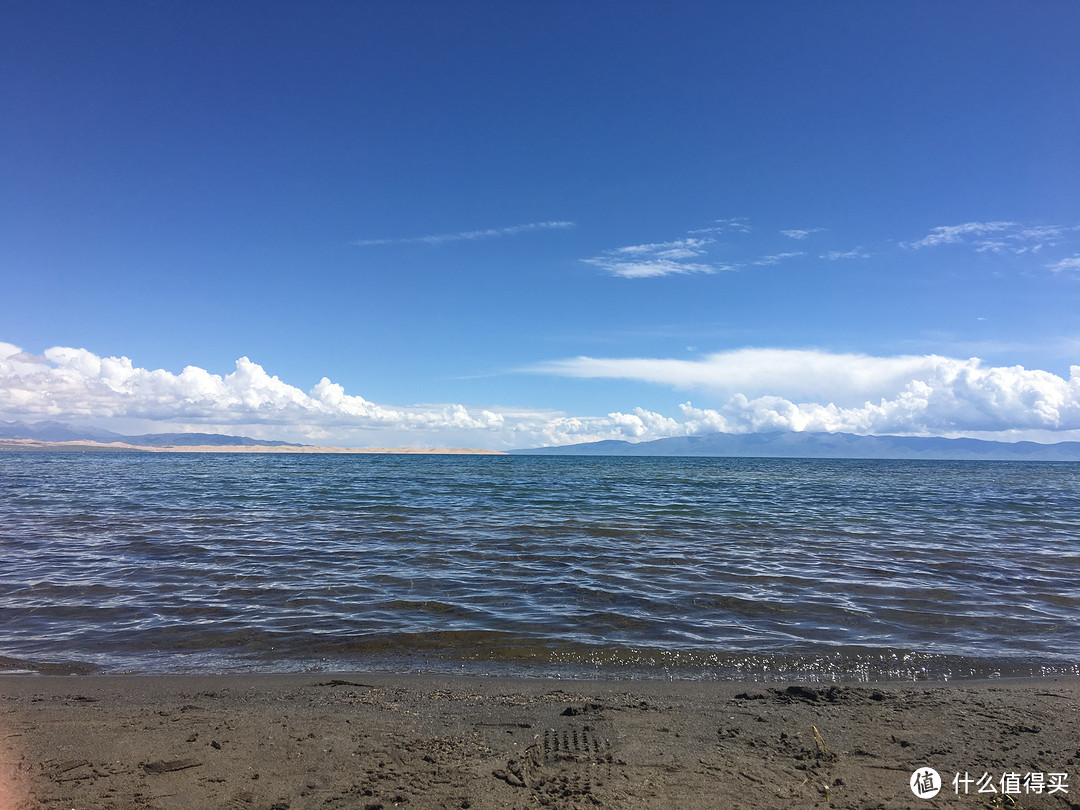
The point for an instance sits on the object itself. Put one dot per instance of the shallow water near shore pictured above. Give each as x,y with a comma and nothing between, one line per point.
757,569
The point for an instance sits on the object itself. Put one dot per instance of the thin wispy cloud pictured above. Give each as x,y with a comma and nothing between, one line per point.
732,225
1071,264
1026,240
689,255
676,257
997,237
801,233
1047,233
656,259
951,234
776,258
854,253
466,236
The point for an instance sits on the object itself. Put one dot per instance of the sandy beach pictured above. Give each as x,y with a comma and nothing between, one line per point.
380,741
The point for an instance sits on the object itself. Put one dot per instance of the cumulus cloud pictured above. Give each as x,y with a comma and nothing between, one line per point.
956,397
462,236
656,259
640,424
750,390
75,383
779,389
80,386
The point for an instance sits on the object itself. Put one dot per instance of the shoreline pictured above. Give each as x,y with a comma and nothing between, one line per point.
347,740
36,446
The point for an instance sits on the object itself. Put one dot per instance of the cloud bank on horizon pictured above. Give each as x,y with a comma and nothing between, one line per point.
755,390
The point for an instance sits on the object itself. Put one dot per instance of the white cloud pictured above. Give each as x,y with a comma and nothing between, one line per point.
487,233
75,383
802,373
84,388
733,225
753,390
656,259
801,233
959,397
780,389
1049,234
854,253
679,249
689,255
1072,263
79,386
949,234
996,237
776,258
640,424
992,246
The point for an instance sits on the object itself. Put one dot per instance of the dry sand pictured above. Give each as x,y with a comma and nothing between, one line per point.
382,741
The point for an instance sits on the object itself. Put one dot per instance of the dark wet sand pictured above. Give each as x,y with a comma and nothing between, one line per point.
382,741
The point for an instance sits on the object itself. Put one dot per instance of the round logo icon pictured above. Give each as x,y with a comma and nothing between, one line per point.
925,783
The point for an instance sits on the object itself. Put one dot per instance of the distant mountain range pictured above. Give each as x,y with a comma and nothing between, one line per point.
821,445
61,432
747,445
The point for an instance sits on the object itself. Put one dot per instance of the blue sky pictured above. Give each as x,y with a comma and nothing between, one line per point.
510,224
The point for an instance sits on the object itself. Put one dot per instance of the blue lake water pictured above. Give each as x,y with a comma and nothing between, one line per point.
532,565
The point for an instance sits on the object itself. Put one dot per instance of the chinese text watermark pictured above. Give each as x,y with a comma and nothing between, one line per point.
927,783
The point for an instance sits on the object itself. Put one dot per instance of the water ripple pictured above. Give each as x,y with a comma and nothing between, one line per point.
172,562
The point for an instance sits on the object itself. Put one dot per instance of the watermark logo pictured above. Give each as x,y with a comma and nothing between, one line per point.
1012,783
926,783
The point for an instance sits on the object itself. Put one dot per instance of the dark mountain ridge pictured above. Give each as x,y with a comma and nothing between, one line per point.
821,445
51,431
